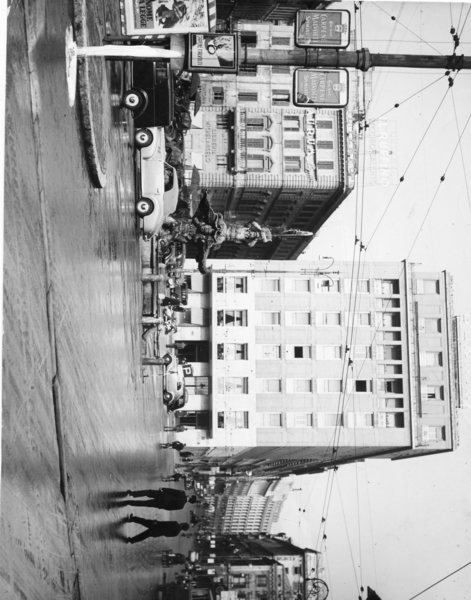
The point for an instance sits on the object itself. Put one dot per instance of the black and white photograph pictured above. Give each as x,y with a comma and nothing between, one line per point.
236,336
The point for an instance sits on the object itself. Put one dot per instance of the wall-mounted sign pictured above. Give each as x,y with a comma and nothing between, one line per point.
322,28
164,17
321,87
212,52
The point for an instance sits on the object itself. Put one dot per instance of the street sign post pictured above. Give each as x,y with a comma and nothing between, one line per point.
322,28
327,88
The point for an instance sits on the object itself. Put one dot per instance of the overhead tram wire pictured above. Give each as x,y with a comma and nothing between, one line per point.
464,23
348,535
402,178
408,28
461,153
442,179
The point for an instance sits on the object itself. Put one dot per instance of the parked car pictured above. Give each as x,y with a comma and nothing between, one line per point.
175,394
157,181
151,97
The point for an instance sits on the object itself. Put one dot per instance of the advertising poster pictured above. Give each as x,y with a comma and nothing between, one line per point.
165,17
212,53
321,87
322,28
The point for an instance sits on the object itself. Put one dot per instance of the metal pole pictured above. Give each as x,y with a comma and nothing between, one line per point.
359,59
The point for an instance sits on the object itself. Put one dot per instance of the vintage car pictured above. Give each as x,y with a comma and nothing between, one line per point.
175,394
157,182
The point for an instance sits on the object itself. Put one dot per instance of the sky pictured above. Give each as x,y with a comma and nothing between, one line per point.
401,526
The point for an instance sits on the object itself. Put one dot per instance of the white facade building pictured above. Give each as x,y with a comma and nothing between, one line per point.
296,370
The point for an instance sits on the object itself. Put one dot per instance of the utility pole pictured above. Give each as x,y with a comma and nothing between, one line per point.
359,59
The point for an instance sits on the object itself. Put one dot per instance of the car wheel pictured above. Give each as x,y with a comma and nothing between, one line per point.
167,358
167,397
144,207
143,138
133,100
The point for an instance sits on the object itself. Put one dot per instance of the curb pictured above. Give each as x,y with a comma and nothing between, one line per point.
97,173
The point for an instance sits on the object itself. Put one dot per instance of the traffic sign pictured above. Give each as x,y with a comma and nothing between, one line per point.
322,28
326,88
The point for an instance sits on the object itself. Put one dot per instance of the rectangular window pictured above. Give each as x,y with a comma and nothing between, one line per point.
363,385
360,420
231,318
248,38
300,285
247,97
197,386
221,160
328,318
389,286
325,144
255,163
325,164
393,352
231,284
269,317
432,433
320,124
391,419
218,95
361,286
428,286
233,419
291,123
391,386
298,351
232,351
268,351
294,317
233,385
255,123
394,403
328,352
280,97
361,352
298,386
432,325
431,359
268,284
292,144
280,41
265,419
250,70
391,319
359,319
392,369
392,336
330,420
222,121
326,285
299,419
329,386
268,386
387,303
292,164
254,143
433,392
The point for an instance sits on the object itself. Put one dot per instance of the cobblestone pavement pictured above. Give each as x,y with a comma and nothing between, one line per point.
79,421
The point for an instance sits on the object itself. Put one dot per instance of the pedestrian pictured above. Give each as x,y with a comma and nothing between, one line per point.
166,498
179,428
174,477
186,454
175,445
155,528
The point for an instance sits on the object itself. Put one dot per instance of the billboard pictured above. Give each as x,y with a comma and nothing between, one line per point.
212,52
322,28
165,17
321,87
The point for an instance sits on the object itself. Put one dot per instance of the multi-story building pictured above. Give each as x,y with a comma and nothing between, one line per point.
263,158
250,505
264,10
296,370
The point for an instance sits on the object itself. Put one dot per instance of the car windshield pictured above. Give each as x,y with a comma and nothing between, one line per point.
168,179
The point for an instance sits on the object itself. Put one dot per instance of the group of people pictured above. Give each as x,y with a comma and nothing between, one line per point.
164,498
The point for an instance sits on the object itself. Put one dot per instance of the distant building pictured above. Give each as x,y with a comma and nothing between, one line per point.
263,158
462,333
296,370
263,567
264,10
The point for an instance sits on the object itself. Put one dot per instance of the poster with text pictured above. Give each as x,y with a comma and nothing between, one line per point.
321,87
212,53
165,17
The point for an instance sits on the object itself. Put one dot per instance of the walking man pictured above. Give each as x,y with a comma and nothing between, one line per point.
155,528
166,498
174,477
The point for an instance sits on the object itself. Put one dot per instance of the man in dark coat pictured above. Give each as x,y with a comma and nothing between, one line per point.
166,498
155,528
178,446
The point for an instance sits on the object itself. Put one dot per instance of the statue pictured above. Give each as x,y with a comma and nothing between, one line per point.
208,230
